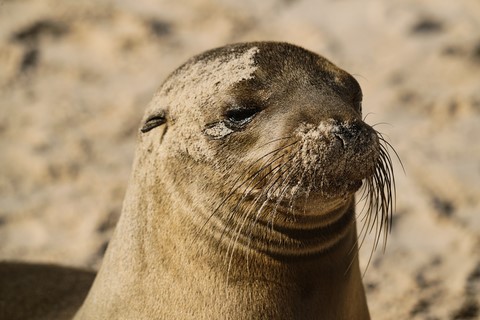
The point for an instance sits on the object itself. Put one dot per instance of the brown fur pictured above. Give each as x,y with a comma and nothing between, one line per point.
180,253
241,199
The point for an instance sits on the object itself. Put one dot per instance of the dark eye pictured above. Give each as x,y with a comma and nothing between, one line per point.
241,116
153,121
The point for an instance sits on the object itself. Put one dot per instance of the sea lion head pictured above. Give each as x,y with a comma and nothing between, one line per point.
263,132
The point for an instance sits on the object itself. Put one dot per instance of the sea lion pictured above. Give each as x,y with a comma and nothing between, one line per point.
41,291
241,200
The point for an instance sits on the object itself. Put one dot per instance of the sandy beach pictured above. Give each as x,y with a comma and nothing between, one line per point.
75,77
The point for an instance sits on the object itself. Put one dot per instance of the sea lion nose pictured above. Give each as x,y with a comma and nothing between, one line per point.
343,137
349,133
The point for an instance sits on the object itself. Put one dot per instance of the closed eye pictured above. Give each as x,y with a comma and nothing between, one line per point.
154,121
241,116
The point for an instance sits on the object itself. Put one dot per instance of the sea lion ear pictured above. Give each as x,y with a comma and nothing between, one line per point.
154,120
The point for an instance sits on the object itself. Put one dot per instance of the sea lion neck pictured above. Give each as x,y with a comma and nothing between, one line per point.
277,233
136,270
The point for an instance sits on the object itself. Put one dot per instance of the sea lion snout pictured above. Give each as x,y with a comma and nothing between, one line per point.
341,135
348,133
350,148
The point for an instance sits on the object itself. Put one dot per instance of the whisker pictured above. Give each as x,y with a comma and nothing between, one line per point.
247,212
239,228
379,195
366,116
275,140
235,187
250,180
246,194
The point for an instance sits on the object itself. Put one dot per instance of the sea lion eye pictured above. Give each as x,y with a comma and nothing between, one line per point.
241,116
154,121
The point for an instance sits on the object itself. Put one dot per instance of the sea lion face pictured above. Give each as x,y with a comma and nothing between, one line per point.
273,109
262,127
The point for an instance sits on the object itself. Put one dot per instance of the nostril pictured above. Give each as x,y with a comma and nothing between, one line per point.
341,138
347,133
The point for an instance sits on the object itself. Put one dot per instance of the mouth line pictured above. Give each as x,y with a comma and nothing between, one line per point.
302,211
308,193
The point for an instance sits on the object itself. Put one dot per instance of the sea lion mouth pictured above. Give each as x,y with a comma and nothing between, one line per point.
319,162
314,194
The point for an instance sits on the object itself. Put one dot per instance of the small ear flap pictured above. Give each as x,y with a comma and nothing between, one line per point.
154,120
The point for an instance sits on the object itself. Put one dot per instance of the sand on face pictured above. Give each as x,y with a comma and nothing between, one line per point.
76,77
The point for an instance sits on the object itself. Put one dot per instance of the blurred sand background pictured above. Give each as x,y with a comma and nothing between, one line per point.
75,77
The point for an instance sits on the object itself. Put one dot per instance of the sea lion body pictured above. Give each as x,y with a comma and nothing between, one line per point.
41,291
241,199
